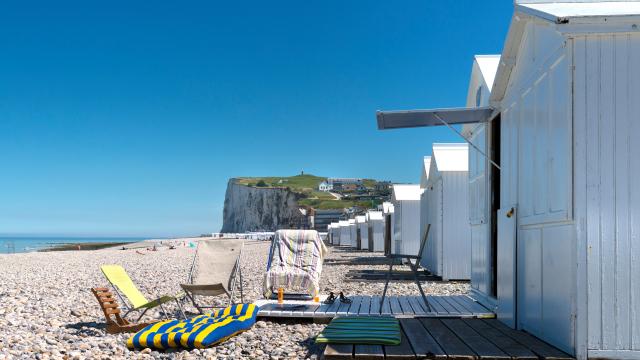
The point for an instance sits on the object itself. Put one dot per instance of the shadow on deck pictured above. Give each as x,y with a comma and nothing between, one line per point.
430,338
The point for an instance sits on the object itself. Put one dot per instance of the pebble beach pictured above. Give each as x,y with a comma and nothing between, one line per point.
47,310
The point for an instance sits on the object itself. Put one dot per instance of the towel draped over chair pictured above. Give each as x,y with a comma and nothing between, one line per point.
295,261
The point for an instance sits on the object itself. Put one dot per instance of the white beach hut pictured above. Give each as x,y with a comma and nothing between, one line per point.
362,233
345,233
424,203
553,205
334,232
448,251
389,220
375,223
406,231
353,229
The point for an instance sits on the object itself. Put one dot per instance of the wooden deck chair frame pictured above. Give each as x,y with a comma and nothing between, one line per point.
159,302
214,289
115,322
414,268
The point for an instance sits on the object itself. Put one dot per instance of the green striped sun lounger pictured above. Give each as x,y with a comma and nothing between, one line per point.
361,330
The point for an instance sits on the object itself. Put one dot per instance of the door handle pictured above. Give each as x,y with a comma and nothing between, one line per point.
510,212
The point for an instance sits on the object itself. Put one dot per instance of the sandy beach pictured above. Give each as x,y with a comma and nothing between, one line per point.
47,310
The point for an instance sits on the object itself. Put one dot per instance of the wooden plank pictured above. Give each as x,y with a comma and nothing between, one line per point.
396,309
449,342
374,309
403,351
343,309
365,306
608,230
622,204
368,352
330,311
450,309
322,310
429,309
536,345
593,185
461,309
418,305
338,352
355,305
405,305
310,311
268,310
386,307
505,343
474,305
436,307
423,344
463,304
481,346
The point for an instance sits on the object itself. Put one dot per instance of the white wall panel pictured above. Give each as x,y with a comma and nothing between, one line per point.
410,227
530,280
607,126
456,230
538,105
376,234
396,246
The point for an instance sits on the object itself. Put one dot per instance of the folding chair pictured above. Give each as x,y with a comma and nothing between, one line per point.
414,268
115,323
123,285
295,261
215,270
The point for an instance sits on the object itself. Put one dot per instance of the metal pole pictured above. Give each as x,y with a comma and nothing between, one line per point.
467,140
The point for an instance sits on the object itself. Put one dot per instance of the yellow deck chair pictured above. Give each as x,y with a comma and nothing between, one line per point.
123,285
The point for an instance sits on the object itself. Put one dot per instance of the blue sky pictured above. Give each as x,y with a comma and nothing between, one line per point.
127,119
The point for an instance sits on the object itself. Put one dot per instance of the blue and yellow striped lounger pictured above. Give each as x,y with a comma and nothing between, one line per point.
198,332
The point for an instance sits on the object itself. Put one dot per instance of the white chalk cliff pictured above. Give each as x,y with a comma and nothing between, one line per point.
258,208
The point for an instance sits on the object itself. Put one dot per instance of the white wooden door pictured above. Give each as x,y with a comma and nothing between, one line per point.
507,231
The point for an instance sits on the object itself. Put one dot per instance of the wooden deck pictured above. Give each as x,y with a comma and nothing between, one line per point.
430,338
459,306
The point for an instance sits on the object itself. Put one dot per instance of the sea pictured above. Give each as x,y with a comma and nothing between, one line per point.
19,244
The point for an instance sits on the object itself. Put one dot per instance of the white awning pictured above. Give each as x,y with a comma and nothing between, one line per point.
435,117
420,118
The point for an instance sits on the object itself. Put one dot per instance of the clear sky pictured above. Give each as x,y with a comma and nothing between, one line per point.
127,119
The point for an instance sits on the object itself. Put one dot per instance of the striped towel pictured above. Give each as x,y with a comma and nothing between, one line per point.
295,261
198,332
361,330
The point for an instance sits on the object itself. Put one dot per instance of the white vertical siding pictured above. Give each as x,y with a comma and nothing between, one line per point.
364,235
478,213
536,178
607,167
424,220
477,177
353,237
345,235
396,223
456,230
433,250
410,242
376,233
543,109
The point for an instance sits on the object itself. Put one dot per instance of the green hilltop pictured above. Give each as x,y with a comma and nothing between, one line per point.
307,186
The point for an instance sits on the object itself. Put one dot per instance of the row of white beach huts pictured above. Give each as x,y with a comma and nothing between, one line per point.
553,208
398,226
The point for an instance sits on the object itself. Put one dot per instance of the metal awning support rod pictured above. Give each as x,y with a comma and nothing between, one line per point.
467,140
